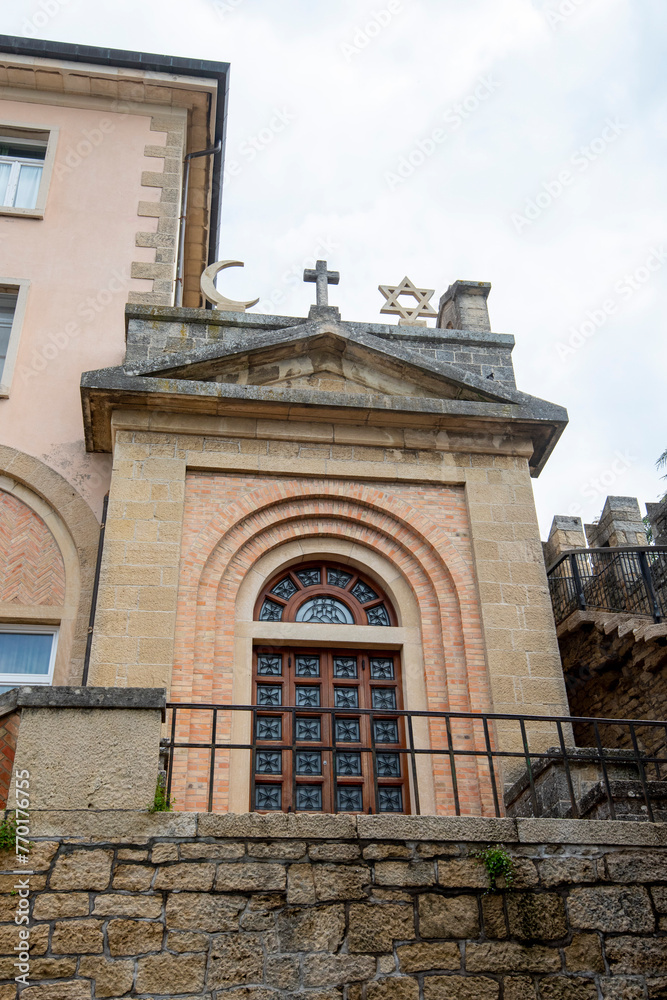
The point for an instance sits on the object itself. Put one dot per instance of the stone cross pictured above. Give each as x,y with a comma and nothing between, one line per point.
322,278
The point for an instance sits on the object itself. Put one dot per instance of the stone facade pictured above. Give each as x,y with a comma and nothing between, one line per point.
151,336
344,908
243,443
613,660
615,667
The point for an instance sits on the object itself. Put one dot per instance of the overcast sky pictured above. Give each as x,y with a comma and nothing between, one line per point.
546,177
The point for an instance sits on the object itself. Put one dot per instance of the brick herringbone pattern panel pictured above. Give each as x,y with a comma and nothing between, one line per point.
31,566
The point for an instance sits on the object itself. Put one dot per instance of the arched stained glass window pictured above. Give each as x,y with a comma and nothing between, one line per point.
325,610
325,593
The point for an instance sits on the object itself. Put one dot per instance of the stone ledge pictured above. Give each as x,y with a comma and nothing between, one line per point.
82,697
277,826
264,321
452,828
140,826
105,825
584,831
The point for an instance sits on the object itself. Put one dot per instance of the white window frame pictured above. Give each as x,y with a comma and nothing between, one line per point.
24,135
16,162
18,287
30,680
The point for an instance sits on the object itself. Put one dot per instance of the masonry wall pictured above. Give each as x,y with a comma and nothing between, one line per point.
338,908
614,674
385,492
247,517
48,547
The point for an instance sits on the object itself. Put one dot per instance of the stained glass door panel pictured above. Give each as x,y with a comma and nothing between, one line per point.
315,748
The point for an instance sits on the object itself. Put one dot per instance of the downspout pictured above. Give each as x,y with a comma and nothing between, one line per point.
180,261
96,587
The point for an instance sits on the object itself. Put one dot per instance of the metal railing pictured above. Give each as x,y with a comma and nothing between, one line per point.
510,781
630,579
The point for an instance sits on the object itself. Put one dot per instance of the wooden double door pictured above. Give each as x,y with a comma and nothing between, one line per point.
325,736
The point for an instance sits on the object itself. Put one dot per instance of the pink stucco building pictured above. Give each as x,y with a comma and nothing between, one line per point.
93,157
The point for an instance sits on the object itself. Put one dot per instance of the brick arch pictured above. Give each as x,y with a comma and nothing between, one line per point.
209,538
73,526
222,554
32,569
427,574
226,548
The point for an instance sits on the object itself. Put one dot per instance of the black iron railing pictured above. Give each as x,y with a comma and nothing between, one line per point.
629,579
505,760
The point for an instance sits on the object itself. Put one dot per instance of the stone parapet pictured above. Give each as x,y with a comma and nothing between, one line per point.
87,747
620,524
615,791
657,515
566,533
162,331
338,908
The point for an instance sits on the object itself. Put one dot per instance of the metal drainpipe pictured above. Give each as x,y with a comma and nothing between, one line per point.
96,587
180,264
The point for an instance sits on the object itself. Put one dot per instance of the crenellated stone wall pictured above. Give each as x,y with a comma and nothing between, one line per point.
225,907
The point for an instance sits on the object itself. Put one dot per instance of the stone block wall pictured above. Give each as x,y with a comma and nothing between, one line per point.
620,524
152,334
338,908
657,515
616,671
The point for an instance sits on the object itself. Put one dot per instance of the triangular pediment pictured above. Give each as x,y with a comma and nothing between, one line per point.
323,370
325,357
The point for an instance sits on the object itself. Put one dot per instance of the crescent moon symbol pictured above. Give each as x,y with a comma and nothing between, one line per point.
207,285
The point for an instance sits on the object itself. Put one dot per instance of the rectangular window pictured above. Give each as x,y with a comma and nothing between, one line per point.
13,302
325,737
8,302
27,655
21,166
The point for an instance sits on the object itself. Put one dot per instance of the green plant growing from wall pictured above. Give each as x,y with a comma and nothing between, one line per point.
8,833
498,864
161,802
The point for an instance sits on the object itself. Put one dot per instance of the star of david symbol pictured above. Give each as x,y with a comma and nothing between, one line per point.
408,313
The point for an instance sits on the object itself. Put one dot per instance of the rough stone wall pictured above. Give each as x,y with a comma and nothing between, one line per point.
609,674
657,515
620,524
9,729
488,355
258,908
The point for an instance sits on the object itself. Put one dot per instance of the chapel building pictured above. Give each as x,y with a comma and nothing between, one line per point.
320,533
